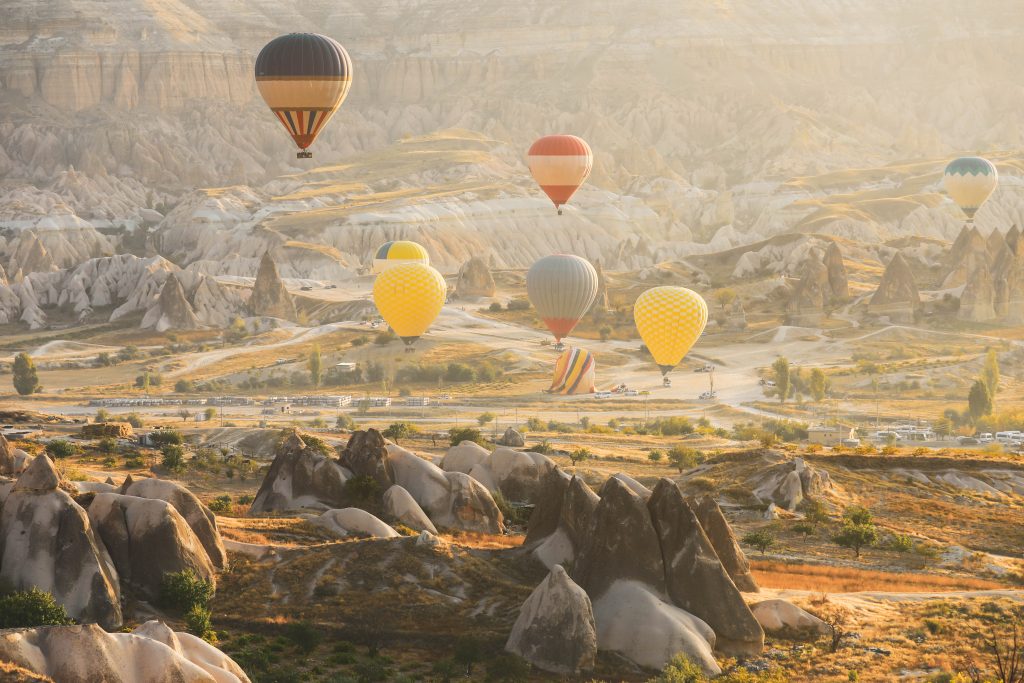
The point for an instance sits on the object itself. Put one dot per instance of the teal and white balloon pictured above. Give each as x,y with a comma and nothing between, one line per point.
970,181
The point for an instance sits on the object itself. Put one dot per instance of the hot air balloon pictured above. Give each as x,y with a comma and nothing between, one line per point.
409,297
560,164
396,253
970,181
670,320
574,372
303,78
562,288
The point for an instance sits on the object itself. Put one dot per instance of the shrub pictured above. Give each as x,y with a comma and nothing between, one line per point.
681,670
31,608
164,437
398,430
173,457
220,504
857,515
803,528
468,651
518,305
305,635
245,500
345,421
671,426
134,420
184,590
494,307
61,448
814,511
901,543
107,445
683,458
579,455
507,667
457,435
198,622
184,386
856,537
763,540
363,492
655,455
384,338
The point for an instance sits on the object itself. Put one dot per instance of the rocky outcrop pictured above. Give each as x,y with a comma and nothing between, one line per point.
147,538
695,577
301,477
365,455
198,517
897,295
86,654
788,483
600,304
464,457
555,629
475,280
354,522
722,539
1008,280
46,541
401,508
968,253
515,473
977,303
512,438
269,297
561,520
807,303
38,259
13,461
994,244
172,310
837,279
782,617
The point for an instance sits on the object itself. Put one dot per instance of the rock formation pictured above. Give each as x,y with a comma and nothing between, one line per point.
561,520
46,541
147,538
512,438
86,654
37,260
365,456
1009,281
13,461
781,617
401,508
897,295
837,279
269,297
464,457
811,294
994,243
475,280
977,303
555,629
722,539
172,310
787,483
969,251
600,304
354,522
515,473
301,477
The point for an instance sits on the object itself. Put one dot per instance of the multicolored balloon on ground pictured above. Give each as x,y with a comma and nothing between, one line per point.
409,297
562,288
304,78
396,253
670,320
560,164
970,181
574,372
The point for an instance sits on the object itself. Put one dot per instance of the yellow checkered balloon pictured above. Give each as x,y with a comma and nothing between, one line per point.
409,297
670,320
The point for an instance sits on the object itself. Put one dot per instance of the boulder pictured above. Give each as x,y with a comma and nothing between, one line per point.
620,544
365,456
96,487
147,538
13,461
633,621
354,522
696,580
788,483
517,474
86,654
475,280
722,539
402,508
46,541
780,616
199,517
555,630
512,438
464,457
270,297
301,477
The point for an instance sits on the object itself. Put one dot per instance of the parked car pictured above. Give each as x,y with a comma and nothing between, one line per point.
708,395
707,367
968,441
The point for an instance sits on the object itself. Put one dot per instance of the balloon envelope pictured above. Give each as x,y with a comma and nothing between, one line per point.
562,288
396,253
304,78
409,298
670,320
560,164
574,372
970,181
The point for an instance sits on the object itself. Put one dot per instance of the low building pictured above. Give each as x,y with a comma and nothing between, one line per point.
417,401
830,435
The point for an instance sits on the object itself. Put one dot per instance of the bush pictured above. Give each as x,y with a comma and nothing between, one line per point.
245,499
507,667
134,420
184,590
107,445
901,543
457,435
220,504
184,386
857,515
363,492
60,448
164,437
683,458
494,307
198,622
671,426
173,457
384,338
305,635
763,540
518,305
31,608
856,536
655,455
681,670
345,421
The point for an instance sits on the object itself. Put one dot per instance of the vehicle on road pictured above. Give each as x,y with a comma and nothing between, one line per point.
968,441
603,394
767,382
707,367
631,392
708,396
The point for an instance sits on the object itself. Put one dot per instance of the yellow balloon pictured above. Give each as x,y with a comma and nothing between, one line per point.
409,297
670,320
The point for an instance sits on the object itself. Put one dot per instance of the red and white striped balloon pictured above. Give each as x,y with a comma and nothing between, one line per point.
560,164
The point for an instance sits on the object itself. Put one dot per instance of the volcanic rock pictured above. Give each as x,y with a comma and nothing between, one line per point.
86,654
780,616
722,539
977,303
811,293
516,474
38,259
994,243
897,295
172,310
464,457
1009,282
402,508
837,279
555,630
601,300
512,438
788,483
696,579
559,525
968,252
147,538
301,477
365,455
13,461
475,280
354,522
46,541
269,297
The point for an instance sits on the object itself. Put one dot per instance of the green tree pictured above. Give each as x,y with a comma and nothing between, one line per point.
579,455
107,445
173,457
345,421
856,536
605,332
782,379
31,608
397,430
184,414
184,386
315,365
818,385
102,415
857,514
725,297
990,372
26,379
979,400
237,331
763,540
485,418
655,455
210,413
683,458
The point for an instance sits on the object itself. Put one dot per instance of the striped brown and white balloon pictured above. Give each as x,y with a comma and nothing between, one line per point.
560,164
304,78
